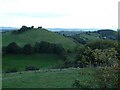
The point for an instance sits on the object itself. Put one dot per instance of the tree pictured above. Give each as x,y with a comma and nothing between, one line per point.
32,27
39,27
23,28
13,48
27,49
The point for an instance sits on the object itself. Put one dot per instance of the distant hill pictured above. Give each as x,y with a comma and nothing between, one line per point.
103,34
107,33
4,29
36,35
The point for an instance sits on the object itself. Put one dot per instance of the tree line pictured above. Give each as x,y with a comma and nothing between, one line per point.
95,54
28,49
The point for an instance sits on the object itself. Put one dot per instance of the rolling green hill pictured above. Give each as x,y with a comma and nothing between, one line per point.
105,34
51,73
37,35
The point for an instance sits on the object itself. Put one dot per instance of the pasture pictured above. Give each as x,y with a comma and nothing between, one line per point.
55,78
38,60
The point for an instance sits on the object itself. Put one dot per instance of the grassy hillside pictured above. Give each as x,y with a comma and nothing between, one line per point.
54,79
37,35
38,60
104,34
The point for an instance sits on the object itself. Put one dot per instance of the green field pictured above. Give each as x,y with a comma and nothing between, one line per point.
37,35
20,61
52,78
58,79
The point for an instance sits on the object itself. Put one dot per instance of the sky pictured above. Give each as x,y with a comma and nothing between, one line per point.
59,13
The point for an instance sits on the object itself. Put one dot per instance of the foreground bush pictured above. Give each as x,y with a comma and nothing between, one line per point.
77,84
106,77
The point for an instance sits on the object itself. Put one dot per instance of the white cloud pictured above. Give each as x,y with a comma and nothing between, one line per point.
71,13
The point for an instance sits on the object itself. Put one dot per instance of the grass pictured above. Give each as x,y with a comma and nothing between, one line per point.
57,79
37,35
20,61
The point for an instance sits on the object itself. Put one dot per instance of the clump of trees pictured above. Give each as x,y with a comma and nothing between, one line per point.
24,28
39,47
12,48
46,47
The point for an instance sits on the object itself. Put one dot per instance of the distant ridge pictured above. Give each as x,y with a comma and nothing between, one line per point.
73,29
2,29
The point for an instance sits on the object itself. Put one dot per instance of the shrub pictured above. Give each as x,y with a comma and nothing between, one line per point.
12,70
78,84
31,68
106,77
13,48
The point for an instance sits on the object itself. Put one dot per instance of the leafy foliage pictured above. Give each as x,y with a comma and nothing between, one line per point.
106,77
97,57
28,49
42,47
13,48
76,84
